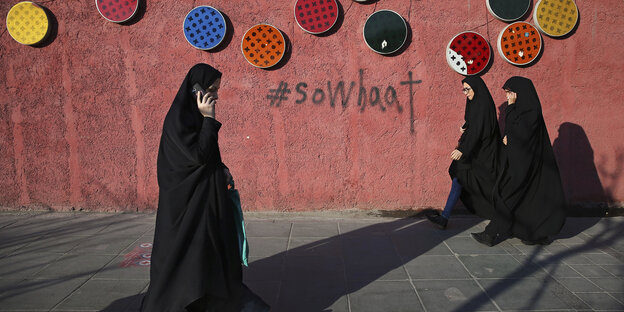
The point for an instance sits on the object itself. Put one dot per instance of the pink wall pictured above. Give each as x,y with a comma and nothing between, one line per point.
80,118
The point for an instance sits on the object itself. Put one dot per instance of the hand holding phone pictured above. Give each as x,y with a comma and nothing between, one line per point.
198,88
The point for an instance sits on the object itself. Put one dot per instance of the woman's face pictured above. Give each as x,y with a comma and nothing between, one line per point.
511,96
468,91
213,89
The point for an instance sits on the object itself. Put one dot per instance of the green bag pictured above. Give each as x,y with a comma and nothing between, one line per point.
240,224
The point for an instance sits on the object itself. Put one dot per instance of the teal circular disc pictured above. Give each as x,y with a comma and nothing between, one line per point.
385,32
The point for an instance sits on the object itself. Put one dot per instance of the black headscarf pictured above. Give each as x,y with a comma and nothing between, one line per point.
195,254
529,195
480,145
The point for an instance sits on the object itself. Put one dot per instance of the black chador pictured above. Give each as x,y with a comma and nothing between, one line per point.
196,264
529,195
480,146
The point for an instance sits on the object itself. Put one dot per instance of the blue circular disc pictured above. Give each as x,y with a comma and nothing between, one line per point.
204,27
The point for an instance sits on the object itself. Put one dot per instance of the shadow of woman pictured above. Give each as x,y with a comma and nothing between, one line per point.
579,175
318,275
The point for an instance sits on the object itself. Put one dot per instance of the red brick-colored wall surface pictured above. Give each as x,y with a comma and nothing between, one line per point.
81,114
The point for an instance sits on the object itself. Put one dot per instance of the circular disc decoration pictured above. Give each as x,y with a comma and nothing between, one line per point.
385,31
316,16
117,11
555,18
508,10
468,53
263,45
27,23
519,43
204,27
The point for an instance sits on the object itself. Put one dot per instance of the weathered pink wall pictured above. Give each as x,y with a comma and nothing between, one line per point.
80,118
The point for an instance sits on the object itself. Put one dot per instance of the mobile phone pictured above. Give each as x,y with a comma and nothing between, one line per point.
198,88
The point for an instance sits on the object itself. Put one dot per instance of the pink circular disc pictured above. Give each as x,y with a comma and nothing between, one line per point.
117,11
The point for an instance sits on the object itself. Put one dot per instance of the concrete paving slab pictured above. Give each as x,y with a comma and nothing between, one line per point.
312,296
499,266
398,296
314,229
436,267
268,228
578,284
531,294
452,295
102,244
25,265
98,294
267,246
609,284
310,246
468,246
122,268
35,294
74,267
601,301
265,269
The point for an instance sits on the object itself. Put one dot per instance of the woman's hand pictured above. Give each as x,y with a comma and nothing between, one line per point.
505,140
456,154
206,105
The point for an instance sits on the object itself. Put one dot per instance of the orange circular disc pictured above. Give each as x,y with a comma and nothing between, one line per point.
263,46
519,43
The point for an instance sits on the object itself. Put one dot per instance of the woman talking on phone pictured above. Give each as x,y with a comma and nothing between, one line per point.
195,264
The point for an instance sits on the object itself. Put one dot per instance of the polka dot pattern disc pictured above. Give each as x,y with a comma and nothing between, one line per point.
508,10
27,23
519,43
385,31
316,16
263,46
117,11
204,27
468,53
556,18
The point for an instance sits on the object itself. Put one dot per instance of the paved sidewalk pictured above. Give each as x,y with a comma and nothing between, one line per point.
320,262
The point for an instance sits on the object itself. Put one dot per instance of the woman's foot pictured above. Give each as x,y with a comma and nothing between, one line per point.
487,239
438,220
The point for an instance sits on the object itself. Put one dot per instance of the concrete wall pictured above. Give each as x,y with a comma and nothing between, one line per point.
81,117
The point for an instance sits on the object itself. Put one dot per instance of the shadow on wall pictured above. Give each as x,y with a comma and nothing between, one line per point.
575,158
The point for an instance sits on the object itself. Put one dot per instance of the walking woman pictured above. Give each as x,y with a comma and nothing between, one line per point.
474,167
196,265
528,197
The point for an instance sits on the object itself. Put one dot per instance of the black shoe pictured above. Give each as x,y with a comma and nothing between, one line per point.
438,220
487,240
540,241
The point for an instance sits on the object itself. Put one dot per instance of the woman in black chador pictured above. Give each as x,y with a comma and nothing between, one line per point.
528,196
196,263
473,170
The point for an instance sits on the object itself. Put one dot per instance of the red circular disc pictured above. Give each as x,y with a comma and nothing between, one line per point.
468,53
117,11
316,16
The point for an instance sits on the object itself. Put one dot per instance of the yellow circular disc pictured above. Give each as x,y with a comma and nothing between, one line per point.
27,23
556,18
